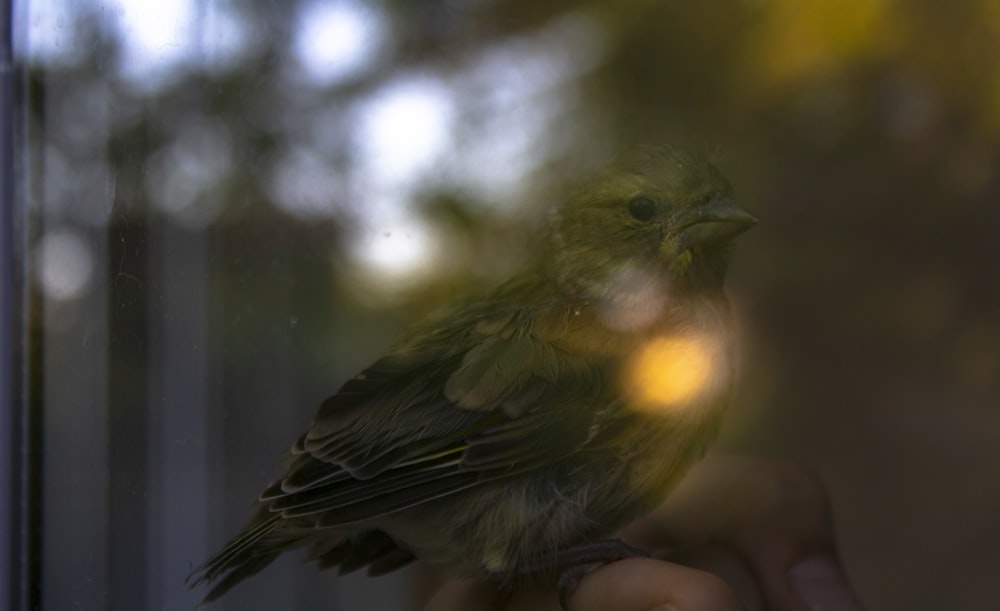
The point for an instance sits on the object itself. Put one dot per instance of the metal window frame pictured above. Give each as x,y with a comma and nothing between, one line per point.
14,590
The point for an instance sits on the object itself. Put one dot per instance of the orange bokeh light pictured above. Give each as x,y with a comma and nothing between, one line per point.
668,372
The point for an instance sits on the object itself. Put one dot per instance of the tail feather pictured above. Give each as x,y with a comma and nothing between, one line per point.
266,537
372,548
246,555
249,568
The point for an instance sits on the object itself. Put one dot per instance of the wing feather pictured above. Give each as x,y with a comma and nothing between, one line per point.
437,423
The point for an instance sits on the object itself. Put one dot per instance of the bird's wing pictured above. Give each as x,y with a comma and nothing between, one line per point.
428,423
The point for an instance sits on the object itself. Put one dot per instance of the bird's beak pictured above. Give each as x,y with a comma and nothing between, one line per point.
718,220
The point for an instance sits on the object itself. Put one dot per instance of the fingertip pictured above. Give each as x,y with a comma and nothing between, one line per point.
821,584
646,584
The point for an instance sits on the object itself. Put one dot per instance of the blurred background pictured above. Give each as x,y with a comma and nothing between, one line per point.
233,206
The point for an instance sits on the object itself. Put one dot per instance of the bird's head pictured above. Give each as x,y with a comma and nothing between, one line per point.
659,216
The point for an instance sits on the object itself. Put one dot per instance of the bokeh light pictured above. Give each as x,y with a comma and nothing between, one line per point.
335,39
395,256
51,33
157,38
65,265
633,299
183,177
403,129
403,132
670,372
303,184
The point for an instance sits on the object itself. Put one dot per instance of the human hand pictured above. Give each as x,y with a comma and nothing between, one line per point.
738,533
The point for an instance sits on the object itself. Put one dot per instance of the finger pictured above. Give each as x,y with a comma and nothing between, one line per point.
725,563
775,515
787,536
820,582
646,584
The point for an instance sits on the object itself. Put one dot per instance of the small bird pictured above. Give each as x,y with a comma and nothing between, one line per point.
509,437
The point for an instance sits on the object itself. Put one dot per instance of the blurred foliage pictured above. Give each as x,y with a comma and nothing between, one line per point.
863,133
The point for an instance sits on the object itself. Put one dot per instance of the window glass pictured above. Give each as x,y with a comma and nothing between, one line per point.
232,207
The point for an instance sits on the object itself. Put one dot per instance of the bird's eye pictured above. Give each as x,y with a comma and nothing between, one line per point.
641,208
